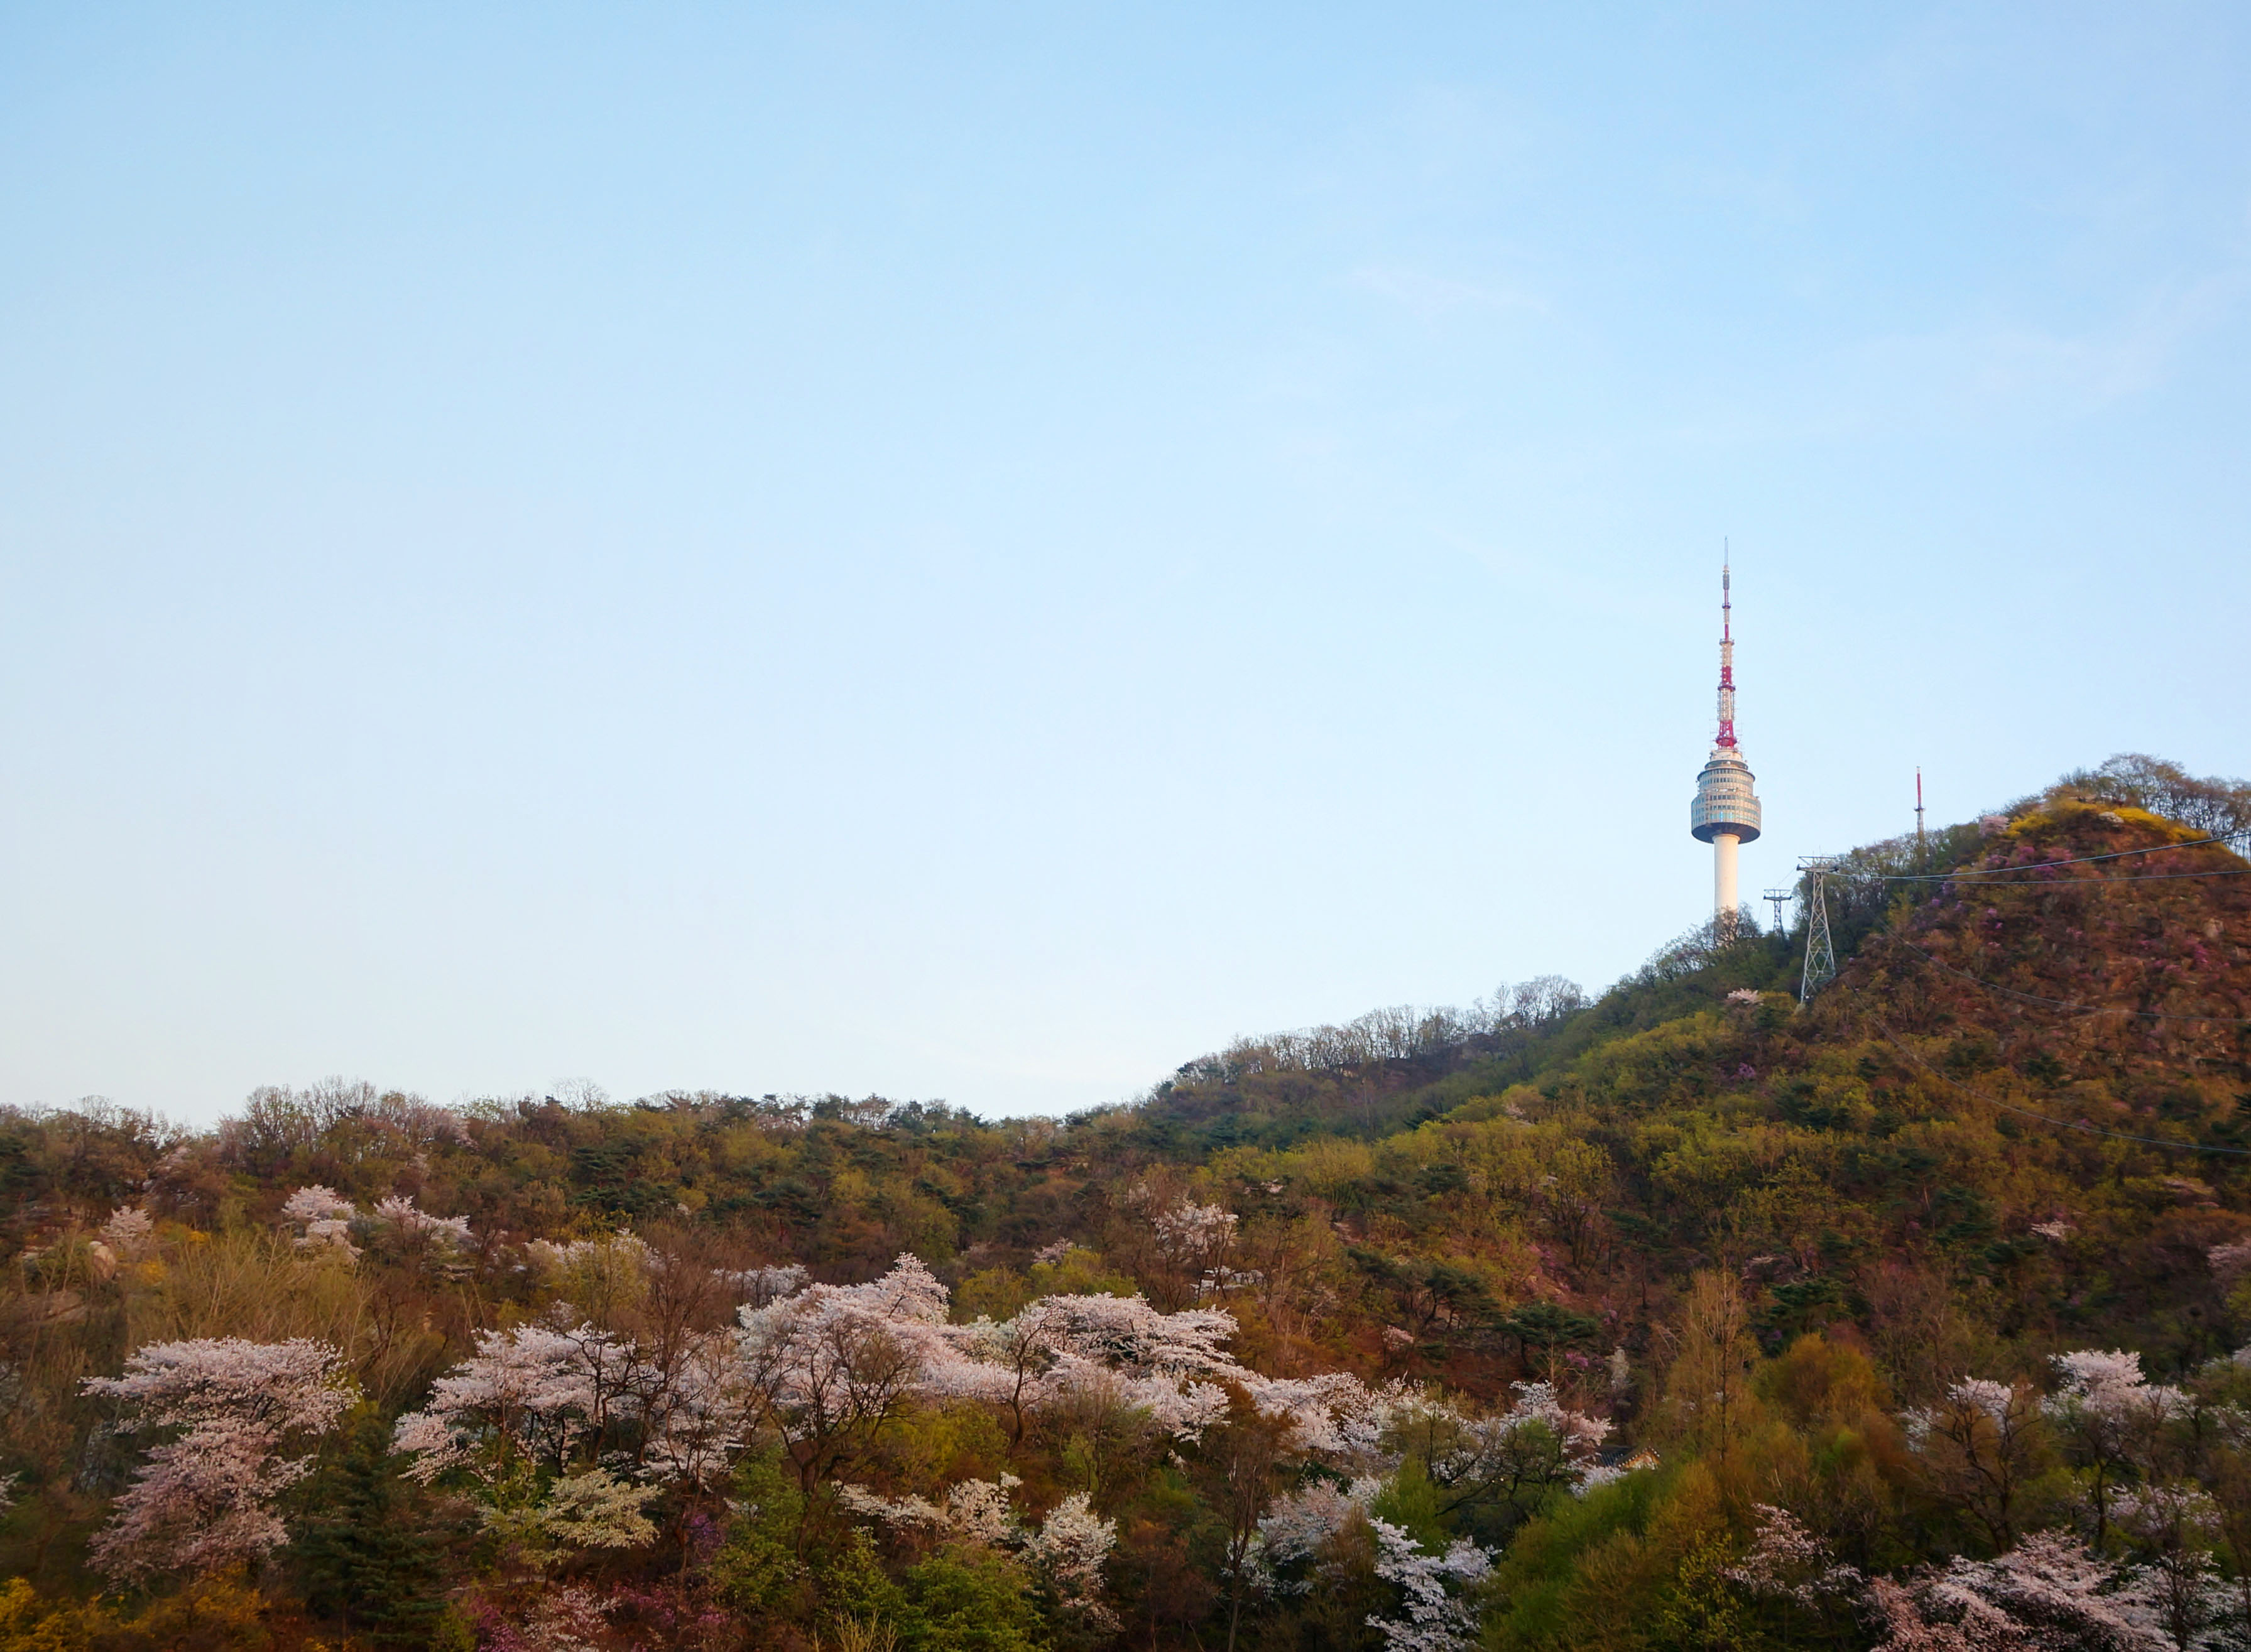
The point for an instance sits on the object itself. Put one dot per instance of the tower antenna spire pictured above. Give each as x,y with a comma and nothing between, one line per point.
1727,652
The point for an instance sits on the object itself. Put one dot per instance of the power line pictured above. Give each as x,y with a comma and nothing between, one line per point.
2060,1003
2062,1124
2053,883
2042,866
1821,868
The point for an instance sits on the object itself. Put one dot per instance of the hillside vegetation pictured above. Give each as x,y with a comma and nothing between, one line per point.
1682,1317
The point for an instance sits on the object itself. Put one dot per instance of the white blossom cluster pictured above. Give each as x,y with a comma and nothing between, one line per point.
527,1396
2110,1386
1434,1617
1786,1561
128,1231
1189,1232
1066,1549
1966,1400
2230,1262
1059,1348
323,1218
1300,1523
2050,1591
761,1286
401,1213
204,1498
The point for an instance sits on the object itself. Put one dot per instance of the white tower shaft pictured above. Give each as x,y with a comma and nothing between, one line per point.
1724,900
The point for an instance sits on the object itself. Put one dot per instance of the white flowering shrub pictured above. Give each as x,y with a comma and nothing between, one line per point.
595,1510
1068,1551
1121,1347
828,1366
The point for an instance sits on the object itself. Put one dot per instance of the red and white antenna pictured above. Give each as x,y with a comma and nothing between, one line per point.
1727,657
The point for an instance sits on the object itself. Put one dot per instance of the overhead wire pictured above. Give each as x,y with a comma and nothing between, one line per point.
2062,1124
2048,883
2042,866
2081,1125
2062,1004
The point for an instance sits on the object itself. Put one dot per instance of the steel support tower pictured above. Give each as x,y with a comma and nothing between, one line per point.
1820,950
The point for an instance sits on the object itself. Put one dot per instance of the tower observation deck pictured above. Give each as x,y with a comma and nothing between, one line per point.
1726,812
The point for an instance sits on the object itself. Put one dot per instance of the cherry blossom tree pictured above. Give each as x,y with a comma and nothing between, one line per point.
2172,1527
525,1400
1066,1551
1981,1628
1433,1616
129,1232
2060,1594
323,1217
400,1215
248,1413
1181,1247
523,1420
827,1367
2106,1417
1510,1460
1976,1449
1300,1525
1197,1241
1787,1563
1117,1347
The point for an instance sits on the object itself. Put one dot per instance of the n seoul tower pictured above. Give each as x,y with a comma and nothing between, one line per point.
1726,812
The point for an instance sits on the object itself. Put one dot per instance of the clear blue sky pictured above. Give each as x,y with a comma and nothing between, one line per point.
978,551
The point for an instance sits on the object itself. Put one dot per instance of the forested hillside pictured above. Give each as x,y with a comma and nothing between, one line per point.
1681,1316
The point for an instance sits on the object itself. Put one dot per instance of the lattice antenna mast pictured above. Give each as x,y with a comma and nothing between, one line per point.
1726,657
1918,810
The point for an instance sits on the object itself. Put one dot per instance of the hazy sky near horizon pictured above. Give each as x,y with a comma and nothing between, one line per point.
979,551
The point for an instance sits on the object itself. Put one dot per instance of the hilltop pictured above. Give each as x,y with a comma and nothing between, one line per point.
1620,1321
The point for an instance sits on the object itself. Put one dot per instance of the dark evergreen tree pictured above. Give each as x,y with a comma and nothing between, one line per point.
367,1554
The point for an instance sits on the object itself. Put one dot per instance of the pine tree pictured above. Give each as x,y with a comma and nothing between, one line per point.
366,1557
